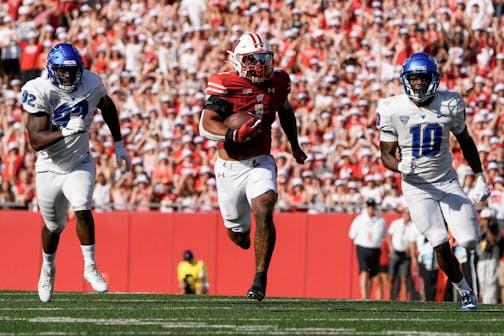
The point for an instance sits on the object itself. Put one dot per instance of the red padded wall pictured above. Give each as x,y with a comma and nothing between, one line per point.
21,249
139,252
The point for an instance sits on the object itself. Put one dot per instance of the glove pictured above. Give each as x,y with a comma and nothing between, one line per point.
299,155
481,191
246,131
122,154
74,126
406,166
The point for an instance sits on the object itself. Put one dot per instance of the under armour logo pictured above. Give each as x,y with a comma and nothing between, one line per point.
271,90
220,175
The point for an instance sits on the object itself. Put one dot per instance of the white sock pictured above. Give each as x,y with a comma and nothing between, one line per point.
88,252
48,259
462,286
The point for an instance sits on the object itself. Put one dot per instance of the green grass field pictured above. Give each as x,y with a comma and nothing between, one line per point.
21,313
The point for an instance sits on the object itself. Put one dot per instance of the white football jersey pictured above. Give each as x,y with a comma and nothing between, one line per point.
423,133
40,95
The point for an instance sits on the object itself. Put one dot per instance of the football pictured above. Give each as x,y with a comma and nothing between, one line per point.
235,120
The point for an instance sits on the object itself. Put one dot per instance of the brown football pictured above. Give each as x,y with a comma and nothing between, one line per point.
235,120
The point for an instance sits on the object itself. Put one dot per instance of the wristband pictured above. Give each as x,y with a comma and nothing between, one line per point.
480,176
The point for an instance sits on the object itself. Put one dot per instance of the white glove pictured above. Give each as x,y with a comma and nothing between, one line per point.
481,191
406,166
74,126
122,154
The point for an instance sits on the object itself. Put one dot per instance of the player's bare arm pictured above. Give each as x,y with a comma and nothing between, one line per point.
215,110
288,122
469,150
39,131
289,126
212,122
110,115
388,155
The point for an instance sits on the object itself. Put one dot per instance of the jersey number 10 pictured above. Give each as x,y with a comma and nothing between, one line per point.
426,141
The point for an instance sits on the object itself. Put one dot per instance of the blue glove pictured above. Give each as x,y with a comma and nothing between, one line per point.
122,154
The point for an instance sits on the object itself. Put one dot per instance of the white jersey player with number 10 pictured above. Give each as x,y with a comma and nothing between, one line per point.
423,133
418,123
60,107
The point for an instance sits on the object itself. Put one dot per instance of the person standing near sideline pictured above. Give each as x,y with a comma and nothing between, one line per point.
488,252
398,239
382,281
192,275
415,132
245,171
426,264
368,231
60,107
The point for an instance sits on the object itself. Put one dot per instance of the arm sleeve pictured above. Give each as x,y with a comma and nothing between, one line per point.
219,105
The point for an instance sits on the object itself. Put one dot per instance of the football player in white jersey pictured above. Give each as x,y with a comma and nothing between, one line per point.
418,124
60,106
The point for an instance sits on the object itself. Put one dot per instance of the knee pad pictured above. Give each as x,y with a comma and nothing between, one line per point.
55,227
239,225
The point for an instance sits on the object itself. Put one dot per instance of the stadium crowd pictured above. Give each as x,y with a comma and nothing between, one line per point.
155,57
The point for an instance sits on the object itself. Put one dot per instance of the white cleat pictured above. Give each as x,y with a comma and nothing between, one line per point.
95,279
46,284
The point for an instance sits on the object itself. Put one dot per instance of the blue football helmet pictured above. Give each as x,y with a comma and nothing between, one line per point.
64,66
420,63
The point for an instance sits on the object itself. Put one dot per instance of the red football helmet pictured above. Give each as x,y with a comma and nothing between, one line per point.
252,58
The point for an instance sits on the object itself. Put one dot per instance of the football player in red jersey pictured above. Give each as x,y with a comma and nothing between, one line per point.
245,171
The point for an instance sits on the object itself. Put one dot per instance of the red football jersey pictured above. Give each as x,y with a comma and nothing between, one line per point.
264,100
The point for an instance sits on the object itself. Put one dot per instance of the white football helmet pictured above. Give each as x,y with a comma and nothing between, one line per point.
252,58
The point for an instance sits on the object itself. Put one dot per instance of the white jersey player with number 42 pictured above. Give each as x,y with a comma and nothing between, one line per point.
60,107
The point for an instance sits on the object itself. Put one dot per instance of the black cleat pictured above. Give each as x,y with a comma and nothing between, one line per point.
255,294
258,289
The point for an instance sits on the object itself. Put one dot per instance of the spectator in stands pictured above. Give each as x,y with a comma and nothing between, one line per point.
394,200
368,230
345,38
192,275
10,51
496,200
7,196
13,160
25,188
31,48
101,194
